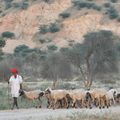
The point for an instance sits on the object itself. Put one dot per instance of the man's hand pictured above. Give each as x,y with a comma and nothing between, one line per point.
21,86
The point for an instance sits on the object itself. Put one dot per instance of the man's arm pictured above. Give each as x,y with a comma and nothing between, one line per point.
8,80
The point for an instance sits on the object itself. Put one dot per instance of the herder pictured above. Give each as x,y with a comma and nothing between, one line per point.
16,85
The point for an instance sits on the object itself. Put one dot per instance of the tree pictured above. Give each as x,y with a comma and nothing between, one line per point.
100,54
2,44
55,67
75,56
95,56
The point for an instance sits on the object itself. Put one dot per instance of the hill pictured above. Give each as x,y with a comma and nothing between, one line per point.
72,19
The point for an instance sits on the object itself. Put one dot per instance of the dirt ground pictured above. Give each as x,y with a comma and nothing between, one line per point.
48,114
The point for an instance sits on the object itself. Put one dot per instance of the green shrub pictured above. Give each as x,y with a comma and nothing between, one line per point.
8,34
65,15
8,5
8,1
64,50
71,44
112,12
114,1
52,47
88,5
54,28
47,1
16,5
22,50
96,7
42,41
2,42
118,19
90,0
44,29
24,5
21,5
107,5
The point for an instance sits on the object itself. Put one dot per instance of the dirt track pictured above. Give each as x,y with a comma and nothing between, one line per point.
43,114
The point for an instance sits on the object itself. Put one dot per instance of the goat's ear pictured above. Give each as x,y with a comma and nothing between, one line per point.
41,94
48,91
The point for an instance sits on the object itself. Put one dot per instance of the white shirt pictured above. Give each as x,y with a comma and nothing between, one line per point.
15,85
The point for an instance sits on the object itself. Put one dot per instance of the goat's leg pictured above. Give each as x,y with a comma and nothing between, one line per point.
40,101
54,104
51,102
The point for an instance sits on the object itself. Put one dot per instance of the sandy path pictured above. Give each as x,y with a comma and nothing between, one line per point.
43,114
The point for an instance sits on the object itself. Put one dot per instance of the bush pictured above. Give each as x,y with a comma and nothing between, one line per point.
47,1
107,5
22,50
114,1
96,7
52,47
54,28
88,5
24,5
2,42
8,34
90,0
65,15
113,14
42,41
8,5
118,19
16,5
44,29
8,1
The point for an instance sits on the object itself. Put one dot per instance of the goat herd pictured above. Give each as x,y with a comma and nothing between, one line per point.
77,98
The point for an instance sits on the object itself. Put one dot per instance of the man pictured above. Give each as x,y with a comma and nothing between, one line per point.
16,84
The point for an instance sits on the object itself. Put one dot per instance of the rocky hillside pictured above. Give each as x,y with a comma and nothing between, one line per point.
40,23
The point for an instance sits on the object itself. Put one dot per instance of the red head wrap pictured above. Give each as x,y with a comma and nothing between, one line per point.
14,70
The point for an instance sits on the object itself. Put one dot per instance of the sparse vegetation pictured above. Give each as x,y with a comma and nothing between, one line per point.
85,116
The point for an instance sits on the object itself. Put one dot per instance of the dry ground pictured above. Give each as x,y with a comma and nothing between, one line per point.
64,114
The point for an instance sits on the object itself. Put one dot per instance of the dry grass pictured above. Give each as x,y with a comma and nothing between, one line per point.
85,116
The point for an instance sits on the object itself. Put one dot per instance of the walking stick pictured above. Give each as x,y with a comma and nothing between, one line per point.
8,97
6,79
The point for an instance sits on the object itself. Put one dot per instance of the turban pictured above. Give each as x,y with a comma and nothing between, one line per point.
14,70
